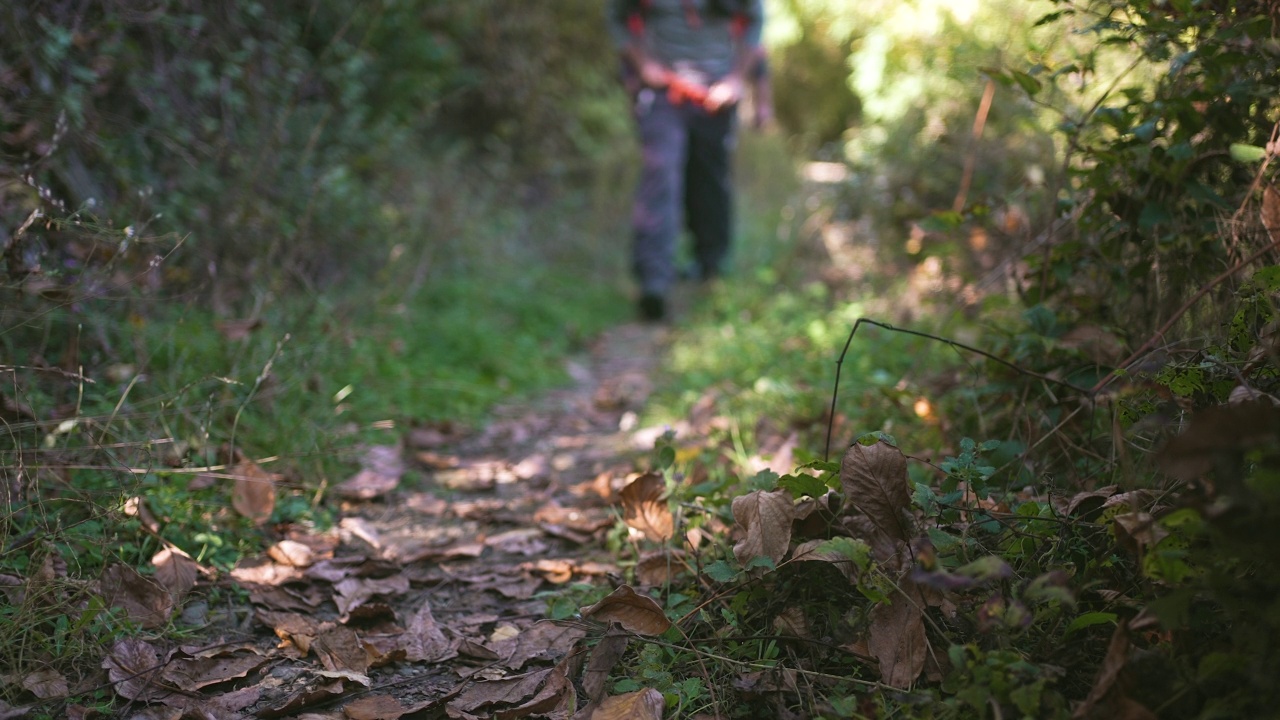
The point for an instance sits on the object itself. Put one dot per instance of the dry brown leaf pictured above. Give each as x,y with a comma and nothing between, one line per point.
1270,213
142,599
176,572
766,517
340,650
134,667
820,551
604,656
644,508
897,636
1115,660
351,592
544,639
1139,531
293,629
661,568
367,485
791,621
261,571
646,704
292,553
874,479
45,684
321,691
637,613
195,673
254,493
374,707
424,641
505,692
520,541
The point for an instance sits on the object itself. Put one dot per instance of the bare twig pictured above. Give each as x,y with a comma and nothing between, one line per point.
1177,315
835,390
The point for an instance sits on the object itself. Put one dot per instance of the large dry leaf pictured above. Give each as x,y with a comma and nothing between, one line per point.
644,509
340,650
261,571
661,568
1115,660
544,639
292,553
636,613
176,572
646,704
424,641
374,707
134,667
380,473
604,656
351,593
505,692
766,517
321,691
874,479
195,673
1270,213
142,599
294,630
45,684
254,493
897,636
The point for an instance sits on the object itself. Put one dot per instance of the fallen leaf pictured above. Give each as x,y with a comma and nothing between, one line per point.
254,493
1139,531
261,571
604,656
897,636
195,673
350,593
791,621
134,667
507,691
1116,658
521,541
766,517
176,572
874,479
637,613
542,640
340,650
367,485
142,599
644,508
292,553
646,704
661,568
322,690
374,707
293,629
424,641
1270,212
46,684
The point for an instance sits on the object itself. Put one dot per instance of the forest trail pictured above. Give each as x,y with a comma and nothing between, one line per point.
427,600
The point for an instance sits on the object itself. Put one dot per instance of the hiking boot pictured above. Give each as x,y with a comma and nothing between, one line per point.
652,307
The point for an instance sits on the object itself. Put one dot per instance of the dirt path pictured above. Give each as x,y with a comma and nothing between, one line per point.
429,600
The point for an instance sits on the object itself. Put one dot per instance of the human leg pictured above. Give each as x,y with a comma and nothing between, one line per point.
708,194
657,212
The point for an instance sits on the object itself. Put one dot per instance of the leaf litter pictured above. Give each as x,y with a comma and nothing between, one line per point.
425,596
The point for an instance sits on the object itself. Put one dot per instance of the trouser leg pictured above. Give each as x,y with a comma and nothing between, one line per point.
708,192
656,218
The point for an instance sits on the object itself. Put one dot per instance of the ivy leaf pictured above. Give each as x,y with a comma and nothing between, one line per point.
803,485
1089,620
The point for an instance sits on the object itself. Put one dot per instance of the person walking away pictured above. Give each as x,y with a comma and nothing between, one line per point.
688,61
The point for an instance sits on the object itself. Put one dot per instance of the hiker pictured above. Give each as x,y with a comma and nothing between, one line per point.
685,63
